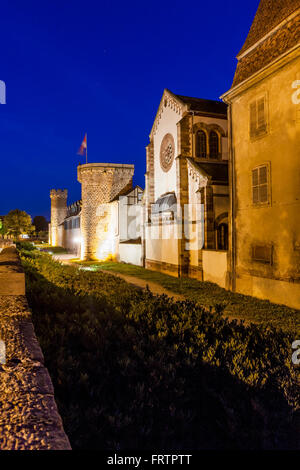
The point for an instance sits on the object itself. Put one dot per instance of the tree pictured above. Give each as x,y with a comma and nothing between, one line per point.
3,229
40,223
18,222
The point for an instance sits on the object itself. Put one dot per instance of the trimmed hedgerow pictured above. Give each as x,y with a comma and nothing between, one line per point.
136,371
208,294
21,245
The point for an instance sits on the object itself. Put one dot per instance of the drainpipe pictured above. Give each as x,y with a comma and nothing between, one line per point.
233,214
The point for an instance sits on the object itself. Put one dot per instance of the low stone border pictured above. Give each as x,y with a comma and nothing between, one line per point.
29,419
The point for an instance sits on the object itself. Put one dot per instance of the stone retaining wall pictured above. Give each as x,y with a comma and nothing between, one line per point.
4,243
29,419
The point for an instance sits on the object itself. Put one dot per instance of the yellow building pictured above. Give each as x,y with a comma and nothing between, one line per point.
264,157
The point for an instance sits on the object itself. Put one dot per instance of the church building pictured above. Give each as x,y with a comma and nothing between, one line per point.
187,194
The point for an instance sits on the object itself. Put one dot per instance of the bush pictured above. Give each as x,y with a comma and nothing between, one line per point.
25,246
137,371
54,250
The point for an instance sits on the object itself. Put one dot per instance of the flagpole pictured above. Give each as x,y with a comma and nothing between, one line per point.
86,148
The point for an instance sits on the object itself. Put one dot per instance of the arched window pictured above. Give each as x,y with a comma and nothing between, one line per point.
213,145
201,146
222,236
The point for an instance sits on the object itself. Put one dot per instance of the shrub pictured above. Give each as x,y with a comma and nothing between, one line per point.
136,371
25,246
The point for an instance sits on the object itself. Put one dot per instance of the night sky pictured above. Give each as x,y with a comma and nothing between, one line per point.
101,67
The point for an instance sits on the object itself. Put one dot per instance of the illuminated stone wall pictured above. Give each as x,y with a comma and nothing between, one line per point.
100,184
58,213
29,415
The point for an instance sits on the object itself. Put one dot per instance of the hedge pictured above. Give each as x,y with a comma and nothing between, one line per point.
136,371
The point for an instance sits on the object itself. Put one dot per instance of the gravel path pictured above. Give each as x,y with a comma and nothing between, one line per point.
154,287
136,281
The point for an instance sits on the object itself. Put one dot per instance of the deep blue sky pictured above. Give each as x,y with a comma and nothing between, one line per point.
101,67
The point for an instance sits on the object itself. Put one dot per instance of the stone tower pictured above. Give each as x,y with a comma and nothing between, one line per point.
100,184
58,213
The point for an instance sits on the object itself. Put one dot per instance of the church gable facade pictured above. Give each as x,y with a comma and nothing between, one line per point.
186,192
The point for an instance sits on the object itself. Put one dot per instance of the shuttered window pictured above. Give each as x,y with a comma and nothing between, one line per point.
253,118
260,185
262,254
258,117
261,115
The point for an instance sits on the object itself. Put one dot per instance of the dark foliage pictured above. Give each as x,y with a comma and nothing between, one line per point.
137,371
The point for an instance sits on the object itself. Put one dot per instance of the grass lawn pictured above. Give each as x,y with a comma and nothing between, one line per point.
209,294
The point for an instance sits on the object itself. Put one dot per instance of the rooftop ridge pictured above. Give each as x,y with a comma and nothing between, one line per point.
269,14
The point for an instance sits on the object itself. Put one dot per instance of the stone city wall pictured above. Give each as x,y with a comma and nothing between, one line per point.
29,418
5,242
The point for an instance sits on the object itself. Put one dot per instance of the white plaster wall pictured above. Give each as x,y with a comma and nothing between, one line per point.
131,253
161,246
165,182
73,240
107,230
215,266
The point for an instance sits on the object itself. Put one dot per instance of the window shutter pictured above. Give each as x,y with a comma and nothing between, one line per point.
263,175
255,177
255,187
262,253
263,184
258,117
263,193
261,118
260,185
253,118
255,194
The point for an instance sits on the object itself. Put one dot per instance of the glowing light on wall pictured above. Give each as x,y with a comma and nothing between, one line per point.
107,233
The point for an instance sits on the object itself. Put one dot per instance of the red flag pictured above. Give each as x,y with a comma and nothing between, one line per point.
83,147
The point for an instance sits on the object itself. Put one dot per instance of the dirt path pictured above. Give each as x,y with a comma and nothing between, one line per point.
142,284
136,281
159,290
153,286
